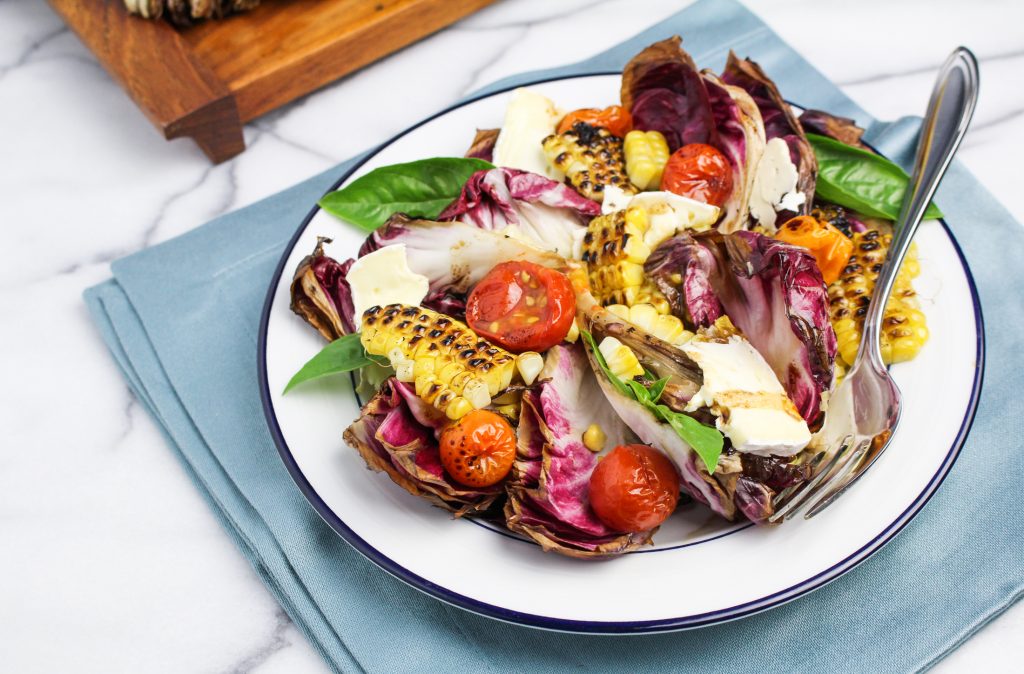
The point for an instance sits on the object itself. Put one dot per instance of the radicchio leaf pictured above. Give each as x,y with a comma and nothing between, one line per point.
741,140
546,212
779,122
843,129
663,91
453,255
321,295
396,434
548,491
772,291
483,144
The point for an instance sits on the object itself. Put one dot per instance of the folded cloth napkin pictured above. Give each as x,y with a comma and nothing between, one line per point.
181,320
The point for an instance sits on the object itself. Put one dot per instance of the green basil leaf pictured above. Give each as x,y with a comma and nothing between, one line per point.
619,385
420,189
707,441
639,391
342,355
860,180
657,388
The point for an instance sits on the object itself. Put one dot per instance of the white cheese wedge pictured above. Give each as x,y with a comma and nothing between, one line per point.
383,277
615,199
668,213
529,119
774,186
752,407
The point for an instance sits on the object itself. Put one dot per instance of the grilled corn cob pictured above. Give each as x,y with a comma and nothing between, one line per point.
904,330
591,158
646,155
453,368
621,360
646,317
615,250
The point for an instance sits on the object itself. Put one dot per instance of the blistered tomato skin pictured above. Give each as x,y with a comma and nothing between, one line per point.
699,172
478,450
634,488
522,306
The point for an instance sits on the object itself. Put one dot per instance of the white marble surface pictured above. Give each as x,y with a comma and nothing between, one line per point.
109,559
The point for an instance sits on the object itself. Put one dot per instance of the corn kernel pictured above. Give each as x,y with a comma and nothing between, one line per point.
594,438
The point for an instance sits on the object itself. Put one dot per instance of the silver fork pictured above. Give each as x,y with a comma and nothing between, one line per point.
864,411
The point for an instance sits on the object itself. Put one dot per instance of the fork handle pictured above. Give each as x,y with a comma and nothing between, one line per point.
949,112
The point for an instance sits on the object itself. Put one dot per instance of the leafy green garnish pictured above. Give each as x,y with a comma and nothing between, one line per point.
707,441
863,181
420,189
342,355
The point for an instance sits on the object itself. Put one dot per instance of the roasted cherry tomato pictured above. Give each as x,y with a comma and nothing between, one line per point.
699,172
829,246
478,449
615,118
634,488
522,306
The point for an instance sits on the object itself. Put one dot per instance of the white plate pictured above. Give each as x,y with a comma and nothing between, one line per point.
701,570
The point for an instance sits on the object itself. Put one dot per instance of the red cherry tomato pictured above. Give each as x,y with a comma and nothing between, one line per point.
522,306
614,118
699,172
634,488
478,449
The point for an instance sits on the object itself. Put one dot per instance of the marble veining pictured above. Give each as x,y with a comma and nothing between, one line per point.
112,561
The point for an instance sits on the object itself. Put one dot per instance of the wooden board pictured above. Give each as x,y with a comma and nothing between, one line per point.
205,81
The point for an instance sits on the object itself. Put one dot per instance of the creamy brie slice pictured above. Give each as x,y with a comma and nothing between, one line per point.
529,119
668,213
774,187
741,389
383,277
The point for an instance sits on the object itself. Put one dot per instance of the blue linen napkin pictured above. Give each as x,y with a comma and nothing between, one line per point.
181,321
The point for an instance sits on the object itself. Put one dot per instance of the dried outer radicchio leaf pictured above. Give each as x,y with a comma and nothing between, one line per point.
843,129
548,490
321,295
663,91
396,434
741,139
772,291
779,122
483,144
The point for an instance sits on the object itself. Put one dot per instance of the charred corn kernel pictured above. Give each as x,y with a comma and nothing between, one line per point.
529,363
594,438
904,329
590,157
458,408
451,366
646,317
613,258
646,153
574,332
620,358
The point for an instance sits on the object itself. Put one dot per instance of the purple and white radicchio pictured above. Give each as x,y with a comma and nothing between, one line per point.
396,433
772,291
548,490
321,295
548,213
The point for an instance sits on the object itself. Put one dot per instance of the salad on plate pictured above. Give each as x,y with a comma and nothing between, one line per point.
599,314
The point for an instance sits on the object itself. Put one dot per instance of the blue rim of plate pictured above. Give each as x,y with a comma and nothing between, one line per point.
585,626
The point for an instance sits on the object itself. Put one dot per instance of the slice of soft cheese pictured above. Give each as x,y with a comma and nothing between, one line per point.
667,213
774,186
529,119
741,389
615,199
383,277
